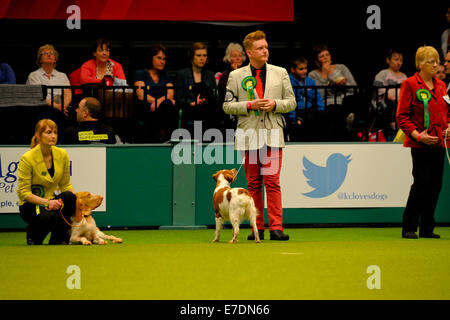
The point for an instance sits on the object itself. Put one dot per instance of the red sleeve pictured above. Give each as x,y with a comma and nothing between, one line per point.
404,109
118,71
88,73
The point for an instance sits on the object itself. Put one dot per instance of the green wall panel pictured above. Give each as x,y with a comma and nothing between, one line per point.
139,186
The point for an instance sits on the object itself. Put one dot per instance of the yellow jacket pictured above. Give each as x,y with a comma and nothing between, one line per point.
32,171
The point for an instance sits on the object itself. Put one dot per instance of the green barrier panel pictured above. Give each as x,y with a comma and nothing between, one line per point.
139,186
184,186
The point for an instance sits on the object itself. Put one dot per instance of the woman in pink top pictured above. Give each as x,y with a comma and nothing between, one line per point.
101,69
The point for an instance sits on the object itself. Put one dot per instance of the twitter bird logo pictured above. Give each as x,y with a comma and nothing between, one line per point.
326,180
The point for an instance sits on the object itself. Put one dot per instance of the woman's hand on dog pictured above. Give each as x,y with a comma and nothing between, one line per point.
54,205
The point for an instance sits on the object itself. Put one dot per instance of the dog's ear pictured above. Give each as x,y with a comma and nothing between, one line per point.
78,209
229,176
215,175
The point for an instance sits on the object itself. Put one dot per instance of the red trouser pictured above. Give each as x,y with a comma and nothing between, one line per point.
264,165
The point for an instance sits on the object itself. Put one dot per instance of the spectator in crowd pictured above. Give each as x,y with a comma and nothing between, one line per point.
336,76
7,75
47,58
446,35
441,72
196,94
260,128
234,58
90,130
447,71
328,74
387,105
159,111
305,122
424,117
101,69
43,170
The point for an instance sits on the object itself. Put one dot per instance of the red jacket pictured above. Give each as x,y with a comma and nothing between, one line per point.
410,110
89,71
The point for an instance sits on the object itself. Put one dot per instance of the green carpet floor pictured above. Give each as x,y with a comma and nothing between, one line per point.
317,263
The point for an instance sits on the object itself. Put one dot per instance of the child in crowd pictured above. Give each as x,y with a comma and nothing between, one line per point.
387,104
303,122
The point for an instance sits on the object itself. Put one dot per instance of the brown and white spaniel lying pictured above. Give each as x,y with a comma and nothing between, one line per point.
84,230
232,204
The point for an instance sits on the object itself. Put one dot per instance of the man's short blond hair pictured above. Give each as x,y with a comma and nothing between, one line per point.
424,53
253,36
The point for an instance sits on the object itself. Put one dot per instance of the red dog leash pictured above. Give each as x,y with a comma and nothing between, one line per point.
62,216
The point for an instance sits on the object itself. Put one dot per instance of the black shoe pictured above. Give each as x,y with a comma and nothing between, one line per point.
278,235
252,236
409,235
429,235
30,240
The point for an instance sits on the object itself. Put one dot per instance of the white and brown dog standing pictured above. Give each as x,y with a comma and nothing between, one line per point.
232,204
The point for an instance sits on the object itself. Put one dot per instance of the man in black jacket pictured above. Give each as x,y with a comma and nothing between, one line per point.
89,129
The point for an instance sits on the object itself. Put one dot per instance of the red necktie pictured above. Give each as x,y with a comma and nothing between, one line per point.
259,87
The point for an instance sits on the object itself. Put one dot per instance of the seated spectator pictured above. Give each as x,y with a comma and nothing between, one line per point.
447,71
101,69
159,111
304,123
196,92
90,130
47,58
387,105
441,72
337,76
392,75
7,75
234,58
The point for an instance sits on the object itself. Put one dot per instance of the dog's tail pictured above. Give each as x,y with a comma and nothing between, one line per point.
252,208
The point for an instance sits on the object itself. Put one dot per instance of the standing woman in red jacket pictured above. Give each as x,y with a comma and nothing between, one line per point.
424,117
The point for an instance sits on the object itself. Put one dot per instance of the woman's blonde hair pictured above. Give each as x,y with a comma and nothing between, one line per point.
424,53
40,128
44,48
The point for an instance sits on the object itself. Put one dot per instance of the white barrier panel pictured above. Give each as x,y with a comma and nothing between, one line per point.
88,173
345,175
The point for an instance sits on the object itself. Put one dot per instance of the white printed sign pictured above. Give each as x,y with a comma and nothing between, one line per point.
88,173
345,175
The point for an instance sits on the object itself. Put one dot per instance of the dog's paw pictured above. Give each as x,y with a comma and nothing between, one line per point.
215,240
117,240
233,241
86,242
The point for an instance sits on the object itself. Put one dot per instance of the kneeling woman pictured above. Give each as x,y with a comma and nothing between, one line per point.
43,170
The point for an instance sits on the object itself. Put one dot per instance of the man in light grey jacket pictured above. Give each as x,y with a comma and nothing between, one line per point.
258,94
